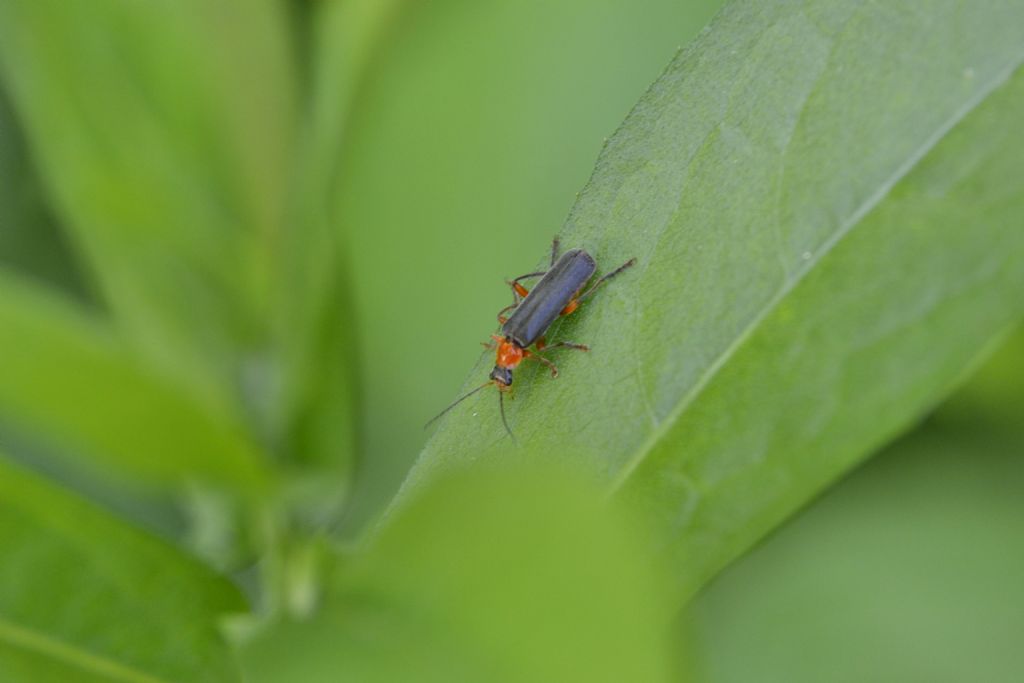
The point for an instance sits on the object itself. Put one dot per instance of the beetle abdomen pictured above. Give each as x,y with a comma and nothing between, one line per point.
538,310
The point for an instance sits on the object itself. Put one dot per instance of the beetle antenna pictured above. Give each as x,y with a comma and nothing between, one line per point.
501,407
457,402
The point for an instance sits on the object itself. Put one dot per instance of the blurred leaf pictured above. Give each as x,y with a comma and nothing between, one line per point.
84,597
347,35
796,187
163,131
313,293
556,589
30,239
909,571
70,380
994,394
476,125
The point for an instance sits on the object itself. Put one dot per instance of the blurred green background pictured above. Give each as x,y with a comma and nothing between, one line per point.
472,127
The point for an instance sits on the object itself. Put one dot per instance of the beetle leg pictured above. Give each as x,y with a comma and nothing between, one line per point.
569,345
518,291
528,275
603,280
541,359
501,314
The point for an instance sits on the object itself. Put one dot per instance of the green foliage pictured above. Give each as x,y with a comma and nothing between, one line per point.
166,134
544,583
246,247
73,381
83,596
136,134
30,239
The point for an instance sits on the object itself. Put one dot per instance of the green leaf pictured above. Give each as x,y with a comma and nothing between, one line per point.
824,200
163,132
70,380
30,238
84,597
469,584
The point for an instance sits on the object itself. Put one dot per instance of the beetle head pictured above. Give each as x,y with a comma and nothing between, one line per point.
501,375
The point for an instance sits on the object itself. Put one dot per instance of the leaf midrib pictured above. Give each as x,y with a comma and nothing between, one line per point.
790,284
33,641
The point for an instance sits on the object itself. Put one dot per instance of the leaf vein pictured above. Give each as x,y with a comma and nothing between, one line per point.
26,639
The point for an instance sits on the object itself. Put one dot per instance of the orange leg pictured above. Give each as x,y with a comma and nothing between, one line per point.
502,319
519,292
518,289
493,344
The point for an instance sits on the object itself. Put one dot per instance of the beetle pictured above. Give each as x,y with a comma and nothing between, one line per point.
558,293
